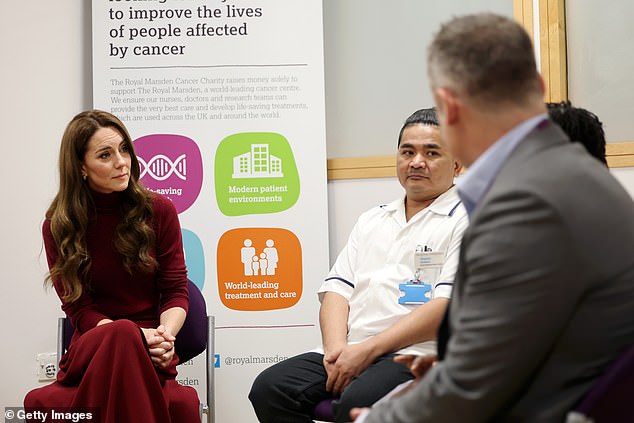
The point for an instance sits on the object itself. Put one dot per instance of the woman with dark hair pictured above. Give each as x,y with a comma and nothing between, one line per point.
115,255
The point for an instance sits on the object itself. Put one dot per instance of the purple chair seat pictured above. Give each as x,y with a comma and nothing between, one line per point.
323,411
610,398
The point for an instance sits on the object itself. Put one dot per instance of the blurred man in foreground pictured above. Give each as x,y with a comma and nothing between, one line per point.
544,295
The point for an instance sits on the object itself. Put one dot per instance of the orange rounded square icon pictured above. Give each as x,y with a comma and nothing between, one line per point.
259,269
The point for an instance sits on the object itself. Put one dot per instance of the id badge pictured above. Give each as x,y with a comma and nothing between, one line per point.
414,292
427,264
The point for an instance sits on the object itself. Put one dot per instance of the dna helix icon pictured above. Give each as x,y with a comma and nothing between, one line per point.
160,167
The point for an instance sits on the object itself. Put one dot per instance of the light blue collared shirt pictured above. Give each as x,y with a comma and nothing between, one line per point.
478,179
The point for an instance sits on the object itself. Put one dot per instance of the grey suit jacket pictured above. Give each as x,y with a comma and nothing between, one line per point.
543,299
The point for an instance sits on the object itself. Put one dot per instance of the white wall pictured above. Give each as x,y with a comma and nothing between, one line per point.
44,78
375,67
348,198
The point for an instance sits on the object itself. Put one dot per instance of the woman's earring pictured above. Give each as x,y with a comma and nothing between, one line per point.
83,176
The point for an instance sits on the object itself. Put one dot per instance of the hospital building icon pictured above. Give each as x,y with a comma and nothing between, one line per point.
258,163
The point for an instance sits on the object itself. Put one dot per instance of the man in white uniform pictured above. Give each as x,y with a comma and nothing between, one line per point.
386,293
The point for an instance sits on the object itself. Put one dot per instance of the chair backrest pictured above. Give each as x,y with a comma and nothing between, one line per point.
192,338
610,398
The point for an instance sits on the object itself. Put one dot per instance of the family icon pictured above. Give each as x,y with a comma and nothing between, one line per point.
263,264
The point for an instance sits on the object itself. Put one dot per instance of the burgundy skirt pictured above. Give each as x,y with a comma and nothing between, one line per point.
107,372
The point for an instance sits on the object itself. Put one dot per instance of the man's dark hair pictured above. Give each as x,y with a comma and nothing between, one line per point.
426,117
581,126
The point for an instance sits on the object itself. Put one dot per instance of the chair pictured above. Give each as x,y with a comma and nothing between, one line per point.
196,336
610,398
323,411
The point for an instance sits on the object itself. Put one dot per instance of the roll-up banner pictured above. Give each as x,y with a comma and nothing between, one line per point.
224,100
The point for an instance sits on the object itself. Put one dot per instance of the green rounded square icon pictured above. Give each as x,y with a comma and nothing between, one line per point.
255,173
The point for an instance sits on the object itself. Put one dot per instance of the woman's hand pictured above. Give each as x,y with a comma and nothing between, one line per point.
161,345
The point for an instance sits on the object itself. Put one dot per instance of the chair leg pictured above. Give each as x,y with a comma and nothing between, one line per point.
204,410
210,406
60,339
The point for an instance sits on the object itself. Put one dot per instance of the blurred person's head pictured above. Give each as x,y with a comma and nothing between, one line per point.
581,126
484,79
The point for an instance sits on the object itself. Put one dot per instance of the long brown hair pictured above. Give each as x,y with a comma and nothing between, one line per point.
69,212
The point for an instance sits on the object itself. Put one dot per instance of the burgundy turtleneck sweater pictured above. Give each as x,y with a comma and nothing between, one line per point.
114,293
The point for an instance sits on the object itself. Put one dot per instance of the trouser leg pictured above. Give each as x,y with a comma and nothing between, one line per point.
371,385
288,391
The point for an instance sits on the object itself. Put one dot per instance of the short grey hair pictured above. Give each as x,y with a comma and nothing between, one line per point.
487,57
